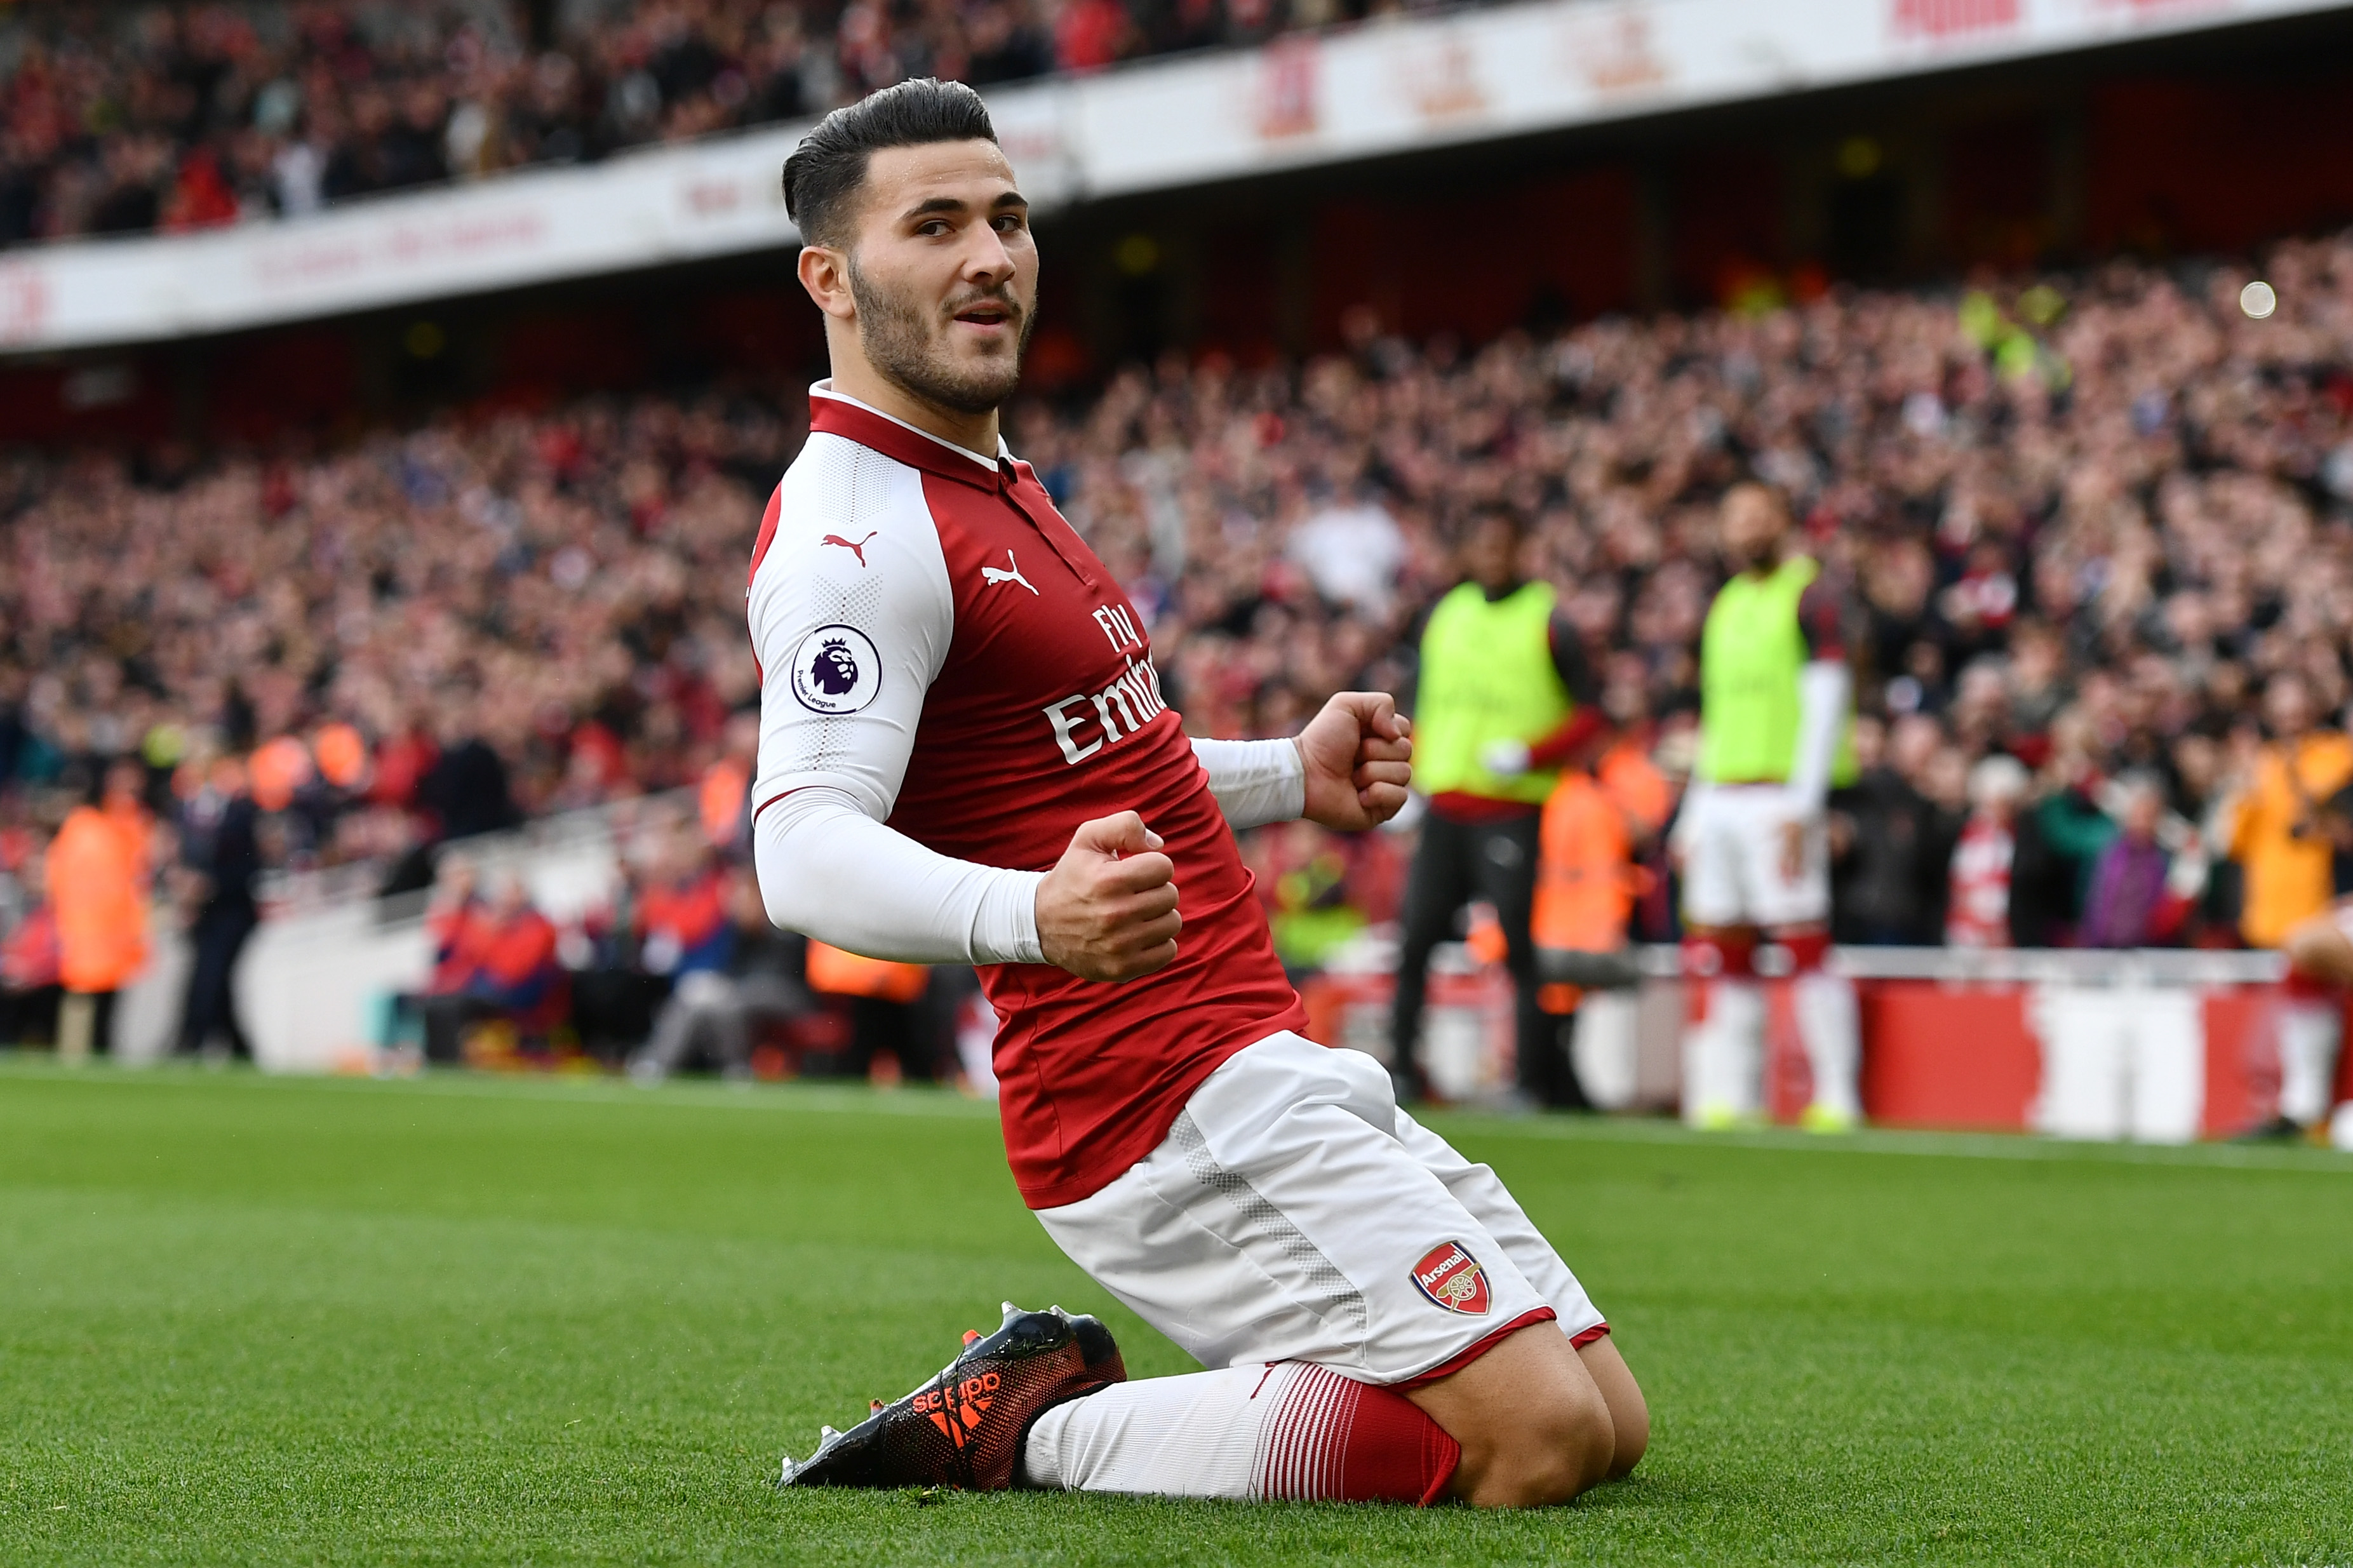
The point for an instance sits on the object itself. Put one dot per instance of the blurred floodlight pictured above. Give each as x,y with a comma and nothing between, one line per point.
2258,300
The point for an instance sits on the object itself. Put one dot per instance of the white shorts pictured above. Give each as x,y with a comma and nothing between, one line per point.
1732,861
1295,1213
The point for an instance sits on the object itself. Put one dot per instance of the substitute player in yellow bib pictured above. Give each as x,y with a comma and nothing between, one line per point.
1751,840
1506,698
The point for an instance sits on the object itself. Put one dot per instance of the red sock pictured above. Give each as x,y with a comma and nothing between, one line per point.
1336,1439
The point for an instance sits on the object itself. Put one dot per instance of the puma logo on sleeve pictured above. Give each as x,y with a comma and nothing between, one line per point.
858,549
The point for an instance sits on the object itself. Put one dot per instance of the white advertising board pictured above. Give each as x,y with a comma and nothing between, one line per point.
1386,87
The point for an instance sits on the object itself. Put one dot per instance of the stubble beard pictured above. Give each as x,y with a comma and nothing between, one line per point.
904,343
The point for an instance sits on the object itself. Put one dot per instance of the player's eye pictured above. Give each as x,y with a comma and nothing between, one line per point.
932,228
1010,223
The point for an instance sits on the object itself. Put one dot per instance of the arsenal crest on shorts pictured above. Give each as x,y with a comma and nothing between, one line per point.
1452,1278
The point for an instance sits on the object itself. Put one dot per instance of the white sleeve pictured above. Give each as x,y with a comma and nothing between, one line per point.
830,871
1256,781
1822,688
849,641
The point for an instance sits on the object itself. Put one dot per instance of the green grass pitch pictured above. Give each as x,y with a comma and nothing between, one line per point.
247,1320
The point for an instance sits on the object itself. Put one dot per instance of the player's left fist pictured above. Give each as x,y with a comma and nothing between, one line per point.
1359,759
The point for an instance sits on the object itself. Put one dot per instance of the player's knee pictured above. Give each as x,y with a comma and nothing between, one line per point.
1630,1439
1546,1452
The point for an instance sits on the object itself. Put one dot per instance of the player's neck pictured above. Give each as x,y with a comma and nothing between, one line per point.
854,377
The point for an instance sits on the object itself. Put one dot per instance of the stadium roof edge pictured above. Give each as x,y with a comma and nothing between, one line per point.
1296,103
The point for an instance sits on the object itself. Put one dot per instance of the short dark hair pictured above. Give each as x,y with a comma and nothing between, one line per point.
823,176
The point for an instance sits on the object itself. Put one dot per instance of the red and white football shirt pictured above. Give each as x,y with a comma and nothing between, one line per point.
939,645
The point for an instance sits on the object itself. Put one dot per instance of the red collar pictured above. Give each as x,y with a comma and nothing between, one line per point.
839,415
835,414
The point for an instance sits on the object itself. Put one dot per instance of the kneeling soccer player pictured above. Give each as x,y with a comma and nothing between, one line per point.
955,691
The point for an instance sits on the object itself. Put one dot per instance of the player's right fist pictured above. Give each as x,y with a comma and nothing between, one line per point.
1108,909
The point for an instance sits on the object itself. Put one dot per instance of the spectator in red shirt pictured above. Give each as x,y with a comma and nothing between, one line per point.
201,198
501,957
450,922
29,987
401,763
1977,913
1091,34
682,924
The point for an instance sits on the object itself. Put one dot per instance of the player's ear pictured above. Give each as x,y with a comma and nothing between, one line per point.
825,273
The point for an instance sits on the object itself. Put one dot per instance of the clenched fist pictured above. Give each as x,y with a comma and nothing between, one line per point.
1108,909
1359,760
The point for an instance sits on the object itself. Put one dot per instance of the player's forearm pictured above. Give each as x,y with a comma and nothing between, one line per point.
1256,781
1822,687
1573,734
830,871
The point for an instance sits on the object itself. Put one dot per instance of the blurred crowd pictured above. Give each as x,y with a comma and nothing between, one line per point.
2096,532
355,657
676,966
119,120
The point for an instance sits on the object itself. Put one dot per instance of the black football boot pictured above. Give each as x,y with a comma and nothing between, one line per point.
964,1428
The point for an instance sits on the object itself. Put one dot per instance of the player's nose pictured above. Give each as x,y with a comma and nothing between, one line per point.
987,259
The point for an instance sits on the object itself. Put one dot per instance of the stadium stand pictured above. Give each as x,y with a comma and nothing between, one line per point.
2088,520
424,520
123,120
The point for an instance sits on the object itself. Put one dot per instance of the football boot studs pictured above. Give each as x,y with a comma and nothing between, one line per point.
964,1428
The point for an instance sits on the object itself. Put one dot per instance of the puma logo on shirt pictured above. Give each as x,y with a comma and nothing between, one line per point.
1011,573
